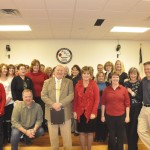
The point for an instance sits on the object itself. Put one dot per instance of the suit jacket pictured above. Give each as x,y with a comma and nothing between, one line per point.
48,96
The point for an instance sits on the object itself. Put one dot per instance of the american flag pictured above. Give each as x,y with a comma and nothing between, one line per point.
140,56
140,63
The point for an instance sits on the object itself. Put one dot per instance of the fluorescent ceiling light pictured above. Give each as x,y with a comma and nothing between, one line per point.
129,29
15,28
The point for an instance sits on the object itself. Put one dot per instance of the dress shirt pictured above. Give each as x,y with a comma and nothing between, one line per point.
25,117
115,101
58,87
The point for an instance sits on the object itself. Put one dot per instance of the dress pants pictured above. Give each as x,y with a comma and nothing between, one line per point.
42,104
101,132
131,127
116,129
7,122
144,126
1,132
65,130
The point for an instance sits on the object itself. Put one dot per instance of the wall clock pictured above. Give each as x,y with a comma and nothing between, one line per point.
64,55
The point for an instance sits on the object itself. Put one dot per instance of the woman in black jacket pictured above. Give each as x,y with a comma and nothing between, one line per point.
20,82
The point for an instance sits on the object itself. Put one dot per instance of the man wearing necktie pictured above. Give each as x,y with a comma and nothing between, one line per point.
58,92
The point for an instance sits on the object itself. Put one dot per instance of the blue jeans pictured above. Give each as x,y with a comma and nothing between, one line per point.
16,134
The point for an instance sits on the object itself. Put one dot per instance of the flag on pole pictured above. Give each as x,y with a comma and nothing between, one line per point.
140,63
140,56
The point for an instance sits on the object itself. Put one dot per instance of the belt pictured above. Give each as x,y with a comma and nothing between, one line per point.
146,105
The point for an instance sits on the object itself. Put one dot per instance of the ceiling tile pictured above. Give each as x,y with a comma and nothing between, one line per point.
60,13
30,4
33,13
7,4
60,4
90,4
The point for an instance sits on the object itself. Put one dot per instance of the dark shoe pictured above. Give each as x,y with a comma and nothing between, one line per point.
22,140
45,128
8,139
101,140
96,139
59,133
76,134
27,140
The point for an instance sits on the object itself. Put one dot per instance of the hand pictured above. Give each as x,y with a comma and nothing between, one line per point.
8,100
129,90
127,119
57,106
17,101
75,115
103,119
92,116
32,132
29,133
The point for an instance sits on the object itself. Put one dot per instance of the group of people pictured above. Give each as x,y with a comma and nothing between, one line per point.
95,108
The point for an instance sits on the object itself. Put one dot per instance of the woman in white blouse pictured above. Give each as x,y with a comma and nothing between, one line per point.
9,102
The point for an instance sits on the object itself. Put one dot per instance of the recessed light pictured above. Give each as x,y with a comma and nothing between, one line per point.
15,28
129,29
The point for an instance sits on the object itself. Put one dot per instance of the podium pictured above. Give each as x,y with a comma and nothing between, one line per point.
57,117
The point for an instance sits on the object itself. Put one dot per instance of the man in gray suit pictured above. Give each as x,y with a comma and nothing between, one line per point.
58,92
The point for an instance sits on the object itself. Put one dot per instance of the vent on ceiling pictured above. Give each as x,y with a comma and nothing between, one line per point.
10,12
99,22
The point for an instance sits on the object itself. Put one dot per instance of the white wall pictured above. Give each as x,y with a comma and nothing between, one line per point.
85,52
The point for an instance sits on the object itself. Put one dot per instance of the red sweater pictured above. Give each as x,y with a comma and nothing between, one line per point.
87,102
2,99
115,101
38,81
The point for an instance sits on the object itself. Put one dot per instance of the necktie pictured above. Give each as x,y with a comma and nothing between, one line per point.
58,91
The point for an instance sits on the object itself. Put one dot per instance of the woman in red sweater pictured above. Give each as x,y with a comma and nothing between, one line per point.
86,102
38,79
2,106
115,110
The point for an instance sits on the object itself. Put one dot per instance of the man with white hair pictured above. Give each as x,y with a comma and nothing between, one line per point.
58,92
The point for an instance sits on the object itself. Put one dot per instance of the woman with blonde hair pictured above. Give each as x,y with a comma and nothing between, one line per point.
108,67
11,72
119,68
9,102
48,71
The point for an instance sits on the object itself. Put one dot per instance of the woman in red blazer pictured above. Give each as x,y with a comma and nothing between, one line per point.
2,106
86,102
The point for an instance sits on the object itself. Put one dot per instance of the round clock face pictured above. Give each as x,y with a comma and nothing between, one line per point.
64,55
